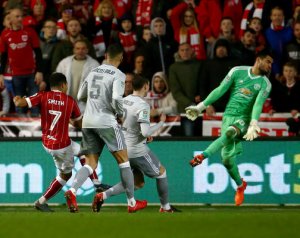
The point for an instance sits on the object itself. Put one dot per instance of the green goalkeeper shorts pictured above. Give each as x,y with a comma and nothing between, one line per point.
234,148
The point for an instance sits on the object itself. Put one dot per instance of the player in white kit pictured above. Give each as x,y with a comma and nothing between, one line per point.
104,88
137,132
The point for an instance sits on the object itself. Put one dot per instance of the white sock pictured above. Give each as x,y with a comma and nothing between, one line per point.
166,206
131,202
42,200
73,190
96,182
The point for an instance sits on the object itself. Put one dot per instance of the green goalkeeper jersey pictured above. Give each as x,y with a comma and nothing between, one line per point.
248,93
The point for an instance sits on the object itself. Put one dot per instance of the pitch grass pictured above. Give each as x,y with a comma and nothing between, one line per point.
201,221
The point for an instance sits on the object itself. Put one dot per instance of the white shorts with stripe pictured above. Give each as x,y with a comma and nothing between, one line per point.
64,158
148,164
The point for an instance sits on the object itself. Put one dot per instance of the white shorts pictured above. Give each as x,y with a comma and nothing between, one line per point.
64,158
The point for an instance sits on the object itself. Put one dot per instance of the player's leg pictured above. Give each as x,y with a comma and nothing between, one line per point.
231,129
92,146
63,159
115,141
229,153
116,190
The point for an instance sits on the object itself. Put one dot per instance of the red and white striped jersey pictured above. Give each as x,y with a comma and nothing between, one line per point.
56,108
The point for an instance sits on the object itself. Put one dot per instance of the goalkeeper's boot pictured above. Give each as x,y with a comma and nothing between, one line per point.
171,210
239,195
42,207
99,188
197,160
97,202
140,204
71,201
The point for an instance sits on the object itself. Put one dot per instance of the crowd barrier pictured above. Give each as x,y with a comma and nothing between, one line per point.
271,168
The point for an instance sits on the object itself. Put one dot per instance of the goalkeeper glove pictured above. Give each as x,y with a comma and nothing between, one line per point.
197,160
252,131
192,112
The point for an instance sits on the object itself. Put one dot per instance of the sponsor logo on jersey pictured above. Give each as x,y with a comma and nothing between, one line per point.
24,37
245,91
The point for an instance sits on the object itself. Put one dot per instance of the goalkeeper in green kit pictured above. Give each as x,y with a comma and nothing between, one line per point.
249,88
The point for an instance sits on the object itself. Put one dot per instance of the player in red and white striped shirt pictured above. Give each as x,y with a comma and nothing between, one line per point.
57,110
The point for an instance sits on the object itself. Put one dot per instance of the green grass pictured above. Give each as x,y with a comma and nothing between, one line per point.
200,222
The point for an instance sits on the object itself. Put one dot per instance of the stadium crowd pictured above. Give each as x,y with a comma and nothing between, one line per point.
185,48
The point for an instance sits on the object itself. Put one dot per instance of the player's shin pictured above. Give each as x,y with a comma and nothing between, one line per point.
163,190
127,181
80,177
55,186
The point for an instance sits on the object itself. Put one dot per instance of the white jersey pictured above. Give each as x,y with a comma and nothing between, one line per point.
136,111
104,88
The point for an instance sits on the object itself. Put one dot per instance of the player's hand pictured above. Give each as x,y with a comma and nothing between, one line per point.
252,131
192,112
149,139
163,117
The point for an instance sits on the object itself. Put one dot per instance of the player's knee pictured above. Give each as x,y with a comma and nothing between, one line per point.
231,132
162,170
139,185
227,163
66,176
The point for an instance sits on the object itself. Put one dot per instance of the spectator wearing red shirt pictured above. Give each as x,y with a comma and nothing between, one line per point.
209,16
185,27
20,45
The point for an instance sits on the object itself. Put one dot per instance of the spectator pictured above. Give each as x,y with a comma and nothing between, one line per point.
244,50
184,77
146,10
105,28
214,71
209,23
227,31
160,98
292,49
285,96
127,38
260,40
38,8
160,49
66,12
4,102
76,67
7,72
254,9
19,43
128,84
277,36
65,47
234,9
121,6
185,27
48,42
139,66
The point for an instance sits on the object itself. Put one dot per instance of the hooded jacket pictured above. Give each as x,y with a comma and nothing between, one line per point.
162,102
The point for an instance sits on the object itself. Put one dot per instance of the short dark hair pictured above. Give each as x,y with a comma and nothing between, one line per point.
57,79
114,50
264,53
138,82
